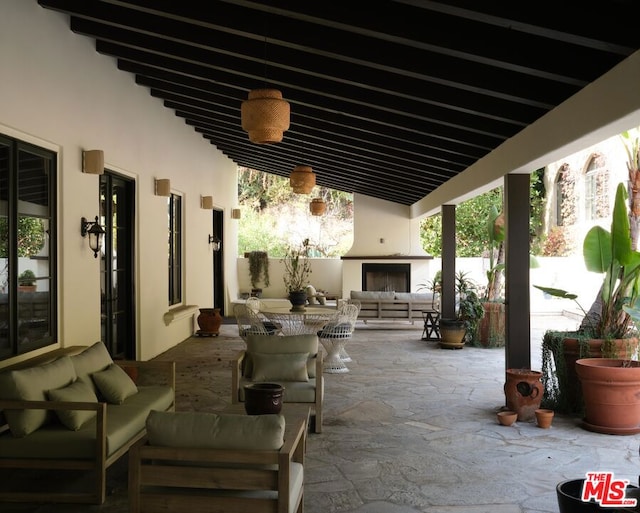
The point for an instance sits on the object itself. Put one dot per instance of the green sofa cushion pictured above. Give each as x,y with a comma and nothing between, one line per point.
280,366
124,421
78,391
31,384
215,431
282,344
114,384
93,359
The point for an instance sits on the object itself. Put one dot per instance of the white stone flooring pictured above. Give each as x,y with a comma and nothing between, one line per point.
411,428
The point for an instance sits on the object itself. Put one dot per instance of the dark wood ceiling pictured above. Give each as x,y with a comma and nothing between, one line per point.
388,98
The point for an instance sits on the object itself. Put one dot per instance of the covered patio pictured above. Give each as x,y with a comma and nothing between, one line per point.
411,428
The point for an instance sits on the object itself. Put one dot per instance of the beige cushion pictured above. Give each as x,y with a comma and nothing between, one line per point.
311,294
280,366
31,384
372,294
93,359
78,391
414,296
282,344
114,384
215,431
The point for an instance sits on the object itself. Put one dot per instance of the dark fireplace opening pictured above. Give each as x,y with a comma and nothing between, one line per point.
386,277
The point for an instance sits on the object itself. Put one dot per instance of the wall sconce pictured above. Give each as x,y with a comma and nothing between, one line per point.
93,162
95,232
215,242
206,202
236,213
163,187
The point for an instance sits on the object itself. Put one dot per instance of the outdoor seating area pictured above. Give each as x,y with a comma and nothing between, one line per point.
386,446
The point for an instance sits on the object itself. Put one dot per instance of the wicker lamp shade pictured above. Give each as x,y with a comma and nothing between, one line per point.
302,179
317,206
265,116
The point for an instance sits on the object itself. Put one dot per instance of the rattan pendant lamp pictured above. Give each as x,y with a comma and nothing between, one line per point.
265,116
302,179
317,206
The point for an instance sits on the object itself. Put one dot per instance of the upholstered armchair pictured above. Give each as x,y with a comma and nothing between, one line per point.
294,361
197,461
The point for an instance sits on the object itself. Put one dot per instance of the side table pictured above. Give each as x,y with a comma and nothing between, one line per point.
431,329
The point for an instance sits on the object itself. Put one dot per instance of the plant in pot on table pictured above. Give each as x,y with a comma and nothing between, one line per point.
297,269
464,327
607,338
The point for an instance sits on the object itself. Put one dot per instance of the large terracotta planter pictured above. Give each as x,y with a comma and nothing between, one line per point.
492,325
209,322
523,391
593,349
452,332
611,393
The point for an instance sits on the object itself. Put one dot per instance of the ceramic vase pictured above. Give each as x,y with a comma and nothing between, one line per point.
523,391
209,321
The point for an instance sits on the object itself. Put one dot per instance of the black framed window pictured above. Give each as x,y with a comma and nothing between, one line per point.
28,314
175,249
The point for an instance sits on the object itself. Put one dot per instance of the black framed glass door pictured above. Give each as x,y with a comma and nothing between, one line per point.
117,212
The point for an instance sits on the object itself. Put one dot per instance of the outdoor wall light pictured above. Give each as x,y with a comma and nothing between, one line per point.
206,202
95,233
215,242
162,187
93,162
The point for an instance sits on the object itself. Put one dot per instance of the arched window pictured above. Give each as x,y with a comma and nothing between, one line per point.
596,189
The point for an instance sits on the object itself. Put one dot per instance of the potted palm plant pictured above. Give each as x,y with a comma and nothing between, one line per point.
608,330
463,327
297,269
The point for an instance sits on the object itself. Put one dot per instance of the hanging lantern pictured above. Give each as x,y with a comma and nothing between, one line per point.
302,179
265,115
317,206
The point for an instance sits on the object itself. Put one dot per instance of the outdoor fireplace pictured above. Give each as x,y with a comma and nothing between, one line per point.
386,277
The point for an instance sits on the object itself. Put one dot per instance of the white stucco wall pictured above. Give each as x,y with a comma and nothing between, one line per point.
59,93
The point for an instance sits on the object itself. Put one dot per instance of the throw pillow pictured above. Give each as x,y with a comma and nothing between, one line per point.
93,359
321,299
311,294
114,384
215,431
280,367
78,391
30,385
284,344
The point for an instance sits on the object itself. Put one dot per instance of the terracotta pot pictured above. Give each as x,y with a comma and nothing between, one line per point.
492,325
263,398
572,352
611,392
507,417
452,334
523,391
544,418
209,321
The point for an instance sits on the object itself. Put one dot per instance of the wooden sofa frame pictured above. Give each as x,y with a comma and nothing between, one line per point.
100,462
195,479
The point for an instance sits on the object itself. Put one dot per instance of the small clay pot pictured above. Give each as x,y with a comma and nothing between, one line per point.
263,398
544,418
507,417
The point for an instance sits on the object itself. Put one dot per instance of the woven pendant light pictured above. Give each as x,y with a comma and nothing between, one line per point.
302,179
265,115
317,206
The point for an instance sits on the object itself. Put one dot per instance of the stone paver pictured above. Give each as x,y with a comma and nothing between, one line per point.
411,428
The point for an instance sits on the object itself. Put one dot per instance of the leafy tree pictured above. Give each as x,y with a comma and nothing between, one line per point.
31,235
275,218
